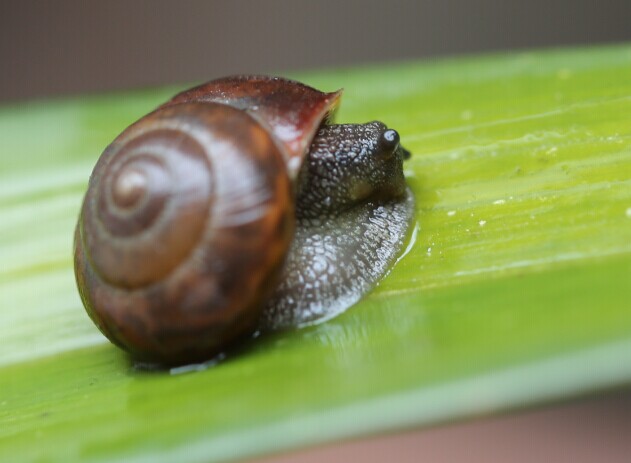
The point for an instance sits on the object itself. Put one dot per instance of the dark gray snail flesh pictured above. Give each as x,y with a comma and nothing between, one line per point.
353,213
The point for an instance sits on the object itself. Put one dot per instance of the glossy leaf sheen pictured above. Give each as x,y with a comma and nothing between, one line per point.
516,288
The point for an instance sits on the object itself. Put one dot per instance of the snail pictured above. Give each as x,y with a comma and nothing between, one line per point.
237,207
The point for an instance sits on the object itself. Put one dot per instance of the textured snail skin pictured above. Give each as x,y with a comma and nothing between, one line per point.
353,214
181,269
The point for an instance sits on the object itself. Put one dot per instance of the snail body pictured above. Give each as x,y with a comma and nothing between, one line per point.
235,207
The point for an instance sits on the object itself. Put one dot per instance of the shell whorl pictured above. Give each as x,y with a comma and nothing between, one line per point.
152,182
183,231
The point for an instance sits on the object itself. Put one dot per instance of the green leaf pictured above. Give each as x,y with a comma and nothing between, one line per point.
516,287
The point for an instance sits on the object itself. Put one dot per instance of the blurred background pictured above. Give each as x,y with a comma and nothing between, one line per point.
69,46
52,49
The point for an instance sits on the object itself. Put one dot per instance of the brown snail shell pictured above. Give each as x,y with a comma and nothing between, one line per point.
189,215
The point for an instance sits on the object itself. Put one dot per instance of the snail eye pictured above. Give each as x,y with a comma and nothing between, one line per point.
390,139
388,144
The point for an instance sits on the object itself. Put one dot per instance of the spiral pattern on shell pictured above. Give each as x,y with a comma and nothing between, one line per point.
183,231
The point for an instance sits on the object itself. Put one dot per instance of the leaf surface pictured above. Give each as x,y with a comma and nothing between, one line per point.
515,288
